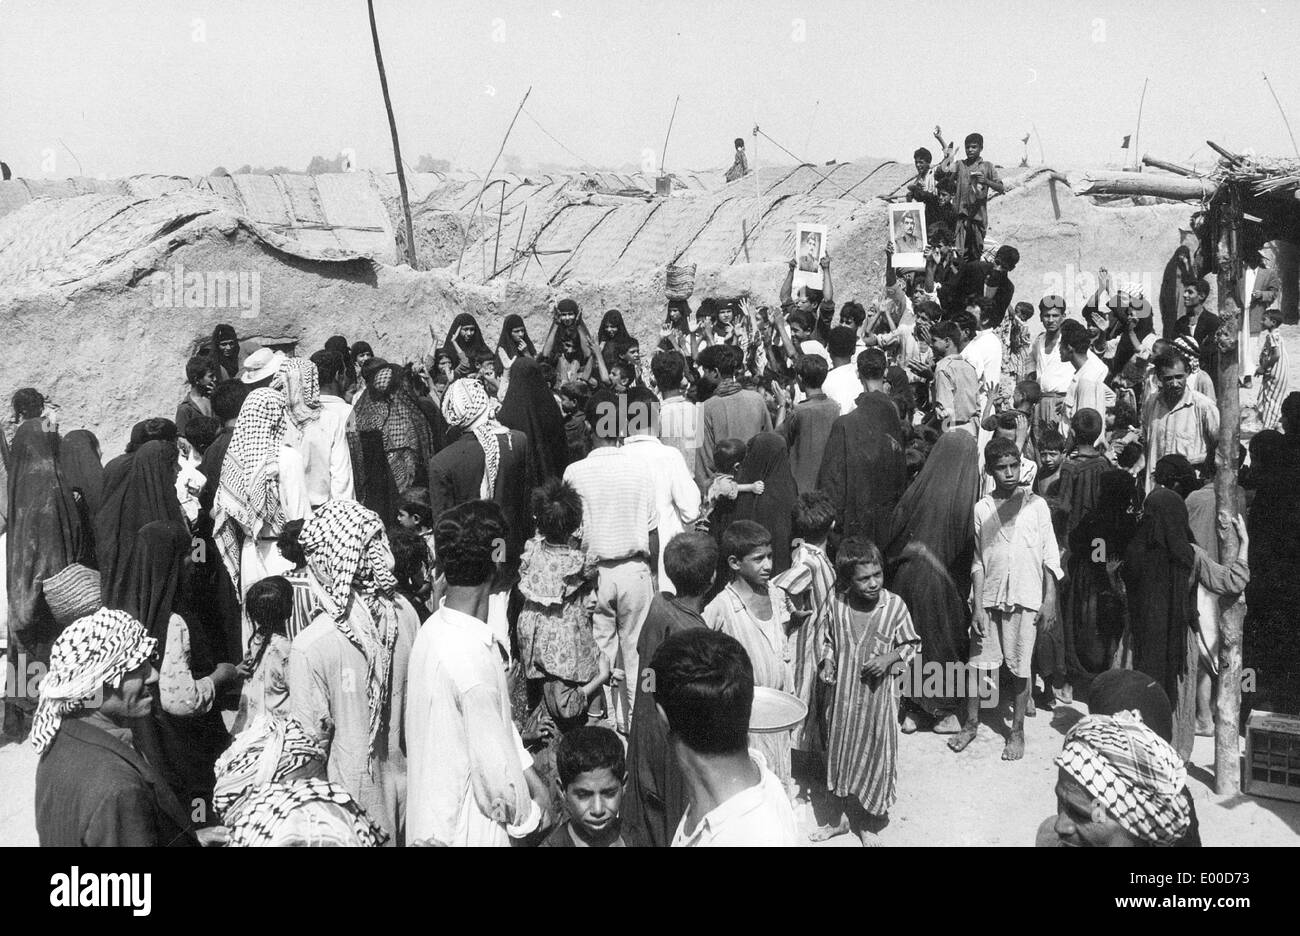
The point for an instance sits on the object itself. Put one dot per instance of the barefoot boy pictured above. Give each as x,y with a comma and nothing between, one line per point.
1013,577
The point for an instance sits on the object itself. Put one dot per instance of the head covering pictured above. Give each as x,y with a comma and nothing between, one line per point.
1190,351
508,343
248,494
261,364
465,405
267,751
90,653
767,460
79,460
73,593
150,591
1119,690
931,541
530,407
44,535
307,812
620,339
348,555
1157,572
465,353
396,439
146,494
1132,772
299,383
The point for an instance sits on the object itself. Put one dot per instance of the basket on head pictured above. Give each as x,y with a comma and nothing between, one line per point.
680,281
73,593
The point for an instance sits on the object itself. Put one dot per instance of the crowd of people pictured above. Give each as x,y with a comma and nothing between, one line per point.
554,592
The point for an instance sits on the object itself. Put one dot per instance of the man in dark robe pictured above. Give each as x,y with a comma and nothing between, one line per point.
864,470
655,798
486,461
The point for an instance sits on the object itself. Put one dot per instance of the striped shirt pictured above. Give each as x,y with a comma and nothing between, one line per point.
618,503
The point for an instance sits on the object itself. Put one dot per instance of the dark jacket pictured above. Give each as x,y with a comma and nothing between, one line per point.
864,470
93,790
456,472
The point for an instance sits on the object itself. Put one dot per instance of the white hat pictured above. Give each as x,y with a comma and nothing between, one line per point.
261,364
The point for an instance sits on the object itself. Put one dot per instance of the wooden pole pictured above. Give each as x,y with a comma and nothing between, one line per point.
486,178
1227,761
501,210
1137,133
392,129
1149,160
1127,183
663,155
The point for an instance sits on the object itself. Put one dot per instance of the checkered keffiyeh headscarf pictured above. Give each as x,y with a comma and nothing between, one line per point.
249,494
1132,772
267,751
299,384
90,653
264,813
347,552
1189,349
464,403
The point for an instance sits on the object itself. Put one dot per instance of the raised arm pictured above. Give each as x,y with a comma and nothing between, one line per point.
788,285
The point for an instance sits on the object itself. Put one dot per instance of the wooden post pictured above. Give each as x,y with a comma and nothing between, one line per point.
1227,760
392,129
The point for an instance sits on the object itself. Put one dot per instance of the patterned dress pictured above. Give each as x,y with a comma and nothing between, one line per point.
768,648
862,759
1273,386
555,638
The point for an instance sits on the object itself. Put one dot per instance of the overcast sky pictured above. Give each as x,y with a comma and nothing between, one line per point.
173,86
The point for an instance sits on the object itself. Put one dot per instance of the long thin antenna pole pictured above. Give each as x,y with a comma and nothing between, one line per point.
1283,113
663,155
483,187
397,149
1137,134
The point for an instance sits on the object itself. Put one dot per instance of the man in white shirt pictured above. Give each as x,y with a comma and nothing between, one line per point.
983,350
620,530
470,781
842,384
1087,388
1052,373
325,441
703,686
677,498
679,418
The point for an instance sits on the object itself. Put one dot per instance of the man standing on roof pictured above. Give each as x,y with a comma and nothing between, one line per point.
974,176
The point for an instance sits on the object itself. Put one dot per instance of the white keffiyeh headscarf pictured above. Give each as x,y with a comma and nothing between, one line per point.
267,751
298,383
249,493
466,406
91,653
348,554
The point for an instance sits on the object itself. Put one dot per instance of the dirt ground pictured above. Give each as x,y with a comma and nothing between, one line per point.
974,798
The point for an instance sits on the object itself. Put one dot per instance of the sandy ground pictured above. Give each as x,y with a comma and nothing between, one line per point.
974,798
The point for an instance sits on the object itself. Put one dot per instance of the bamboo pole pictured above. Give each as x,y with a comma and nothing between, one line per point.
1227,766
1106,183
486,178
392,129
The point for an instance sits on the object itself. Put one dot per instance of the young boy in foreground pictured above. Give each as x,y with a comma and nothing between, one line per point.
592,770
1013,581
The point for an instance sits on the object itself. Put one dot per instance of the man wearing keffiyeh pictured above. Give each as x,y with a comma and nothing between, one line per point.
92,786
1120,783
348,668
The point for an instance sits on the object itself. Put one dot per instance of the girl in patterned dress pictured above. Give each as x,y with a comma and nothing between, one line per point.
557,651
1272,372
869,638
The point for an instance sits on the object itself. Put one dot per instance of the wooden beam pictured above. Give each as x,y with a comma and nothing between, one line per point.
1156,186
1149,160
1227,759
